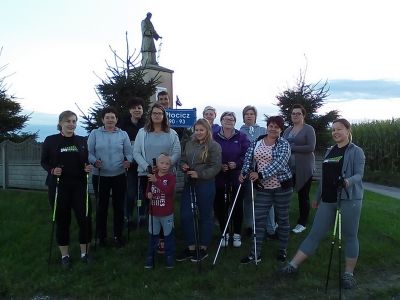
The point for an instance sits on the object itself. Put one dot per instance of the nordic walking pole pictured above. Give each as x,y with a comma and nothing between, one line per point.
87,213
53,220
97,198
331,252
150,171
254,223
227,224
195,214
126,184
340,253
138,203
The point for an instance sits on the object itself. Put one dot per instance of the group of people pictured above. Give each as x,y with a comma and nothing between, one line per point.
226,172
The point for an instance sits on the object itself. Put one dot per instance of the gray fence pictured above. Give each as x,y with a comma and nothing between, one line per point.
20,166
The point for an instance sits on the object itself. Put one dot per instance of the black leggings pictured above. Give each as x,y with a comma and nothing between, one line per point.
71,196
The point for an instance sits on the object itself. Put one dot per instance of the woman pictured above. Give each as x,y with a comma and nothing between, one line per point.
131,125
65,158
111,152
266,165
341,185
210,113
234,145
301,138
253,131
154,138
201,162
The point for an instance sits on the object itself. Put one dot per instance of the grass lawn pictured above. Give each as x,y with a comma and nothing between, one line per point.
119,273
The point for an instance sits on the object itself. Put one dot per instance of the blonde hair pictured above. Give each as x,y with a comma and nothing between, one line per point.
208,139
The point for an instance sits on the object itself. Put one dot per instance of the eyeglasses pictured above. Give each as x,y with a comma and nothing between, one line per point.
228,119
296,113
157,113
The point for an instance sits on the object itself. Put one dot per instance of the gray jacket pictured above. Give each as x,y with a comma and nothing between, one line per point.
353,171
192,155
303,147
253,132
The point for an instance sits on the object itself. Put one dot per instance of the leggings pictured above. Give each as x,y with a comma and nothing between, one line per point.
324,221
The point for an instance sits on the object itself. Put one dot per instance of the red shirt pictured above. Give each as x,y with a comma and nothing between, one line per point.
163,195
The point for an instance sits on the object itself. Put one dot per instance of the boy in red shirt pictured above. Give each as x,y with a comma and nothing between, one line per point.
160,192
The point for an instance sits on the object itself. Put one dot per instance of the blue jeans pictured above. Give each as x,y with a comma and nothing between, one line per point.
205,193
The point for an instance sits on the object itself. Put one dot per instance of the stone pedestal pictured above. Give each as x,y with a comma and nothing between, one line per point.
165,79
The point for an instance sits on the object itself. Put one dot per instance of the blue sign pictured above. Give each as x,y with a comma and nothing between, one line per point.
181,117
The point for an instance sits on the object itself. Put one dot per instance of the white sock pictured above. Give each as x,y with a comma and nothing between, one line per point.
64,256
83,255
350,273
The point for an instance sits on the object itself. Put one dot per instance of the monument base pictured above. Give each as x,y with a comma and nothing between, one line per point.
165,79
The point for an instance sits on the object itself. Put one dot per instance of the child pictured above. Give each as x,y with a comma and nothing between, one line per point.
160,192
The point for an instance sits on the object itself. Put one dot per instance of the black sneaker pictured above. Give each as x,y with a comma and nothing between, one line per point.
86,258
202,255
348,281
186,254
282,255
119,242
250,259
288,270
149,262
66,262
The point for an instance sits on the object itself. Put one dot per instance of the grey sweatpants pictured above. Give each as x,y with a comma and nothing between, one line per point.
324,221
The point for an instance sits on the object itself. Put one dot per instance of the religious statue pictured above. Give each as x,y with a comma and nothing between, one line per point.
148,47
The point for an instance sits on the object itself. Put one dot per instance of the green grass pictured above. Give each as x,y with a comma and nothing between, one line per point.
118,273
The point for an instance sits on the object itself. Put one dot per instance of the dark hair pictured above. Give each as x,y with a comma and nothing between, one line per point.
149,127
162,93
65,115
301,107
109,110
135,101
278,120
247,108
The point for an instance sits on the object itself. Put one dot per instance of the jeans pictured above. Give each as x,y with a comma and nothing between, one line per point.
205,192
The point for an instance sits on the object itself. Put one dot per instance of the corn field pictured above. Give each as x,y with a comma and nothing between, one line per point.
380,141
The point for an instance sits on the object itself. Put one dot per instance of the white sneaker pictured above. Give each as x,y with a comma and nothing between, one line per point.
225,241
237,242
299,228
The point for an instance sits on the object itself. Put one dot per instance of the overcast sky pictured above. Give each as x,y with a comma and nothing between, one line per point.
224,53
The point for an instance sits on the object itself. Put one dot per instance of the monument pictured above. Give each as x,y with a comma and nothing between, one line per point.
149,62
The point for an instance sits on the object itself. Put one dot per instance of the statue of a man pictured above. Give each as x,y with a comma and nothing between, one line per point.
148,47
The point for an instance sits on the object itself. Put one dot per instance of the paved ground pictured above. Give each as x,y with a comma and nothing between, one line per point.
384,190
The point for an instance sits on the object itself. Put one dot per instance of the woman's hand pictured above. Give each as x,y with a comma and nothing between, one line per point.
57,171
193,174
98,164
126,164
253,176
225,167
241,178
232,165
88,168
185,167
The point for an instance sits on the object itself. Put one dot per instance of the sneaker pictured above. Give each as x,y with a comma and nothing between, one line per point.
249,259
86,258
149,262
185,255
288,270
298,229
202,255
237,242
160,247
348,281
225,241
170,262
282,255
66,262
119,242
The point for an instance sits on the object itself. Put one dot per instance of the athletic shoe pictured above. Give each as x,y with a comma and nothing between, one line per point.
225,241
348,281
185,255
119,242
149,262
298,229
281,255
160,247
237,242
202,255
86,258
288,270
250,259
170,262
66,262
